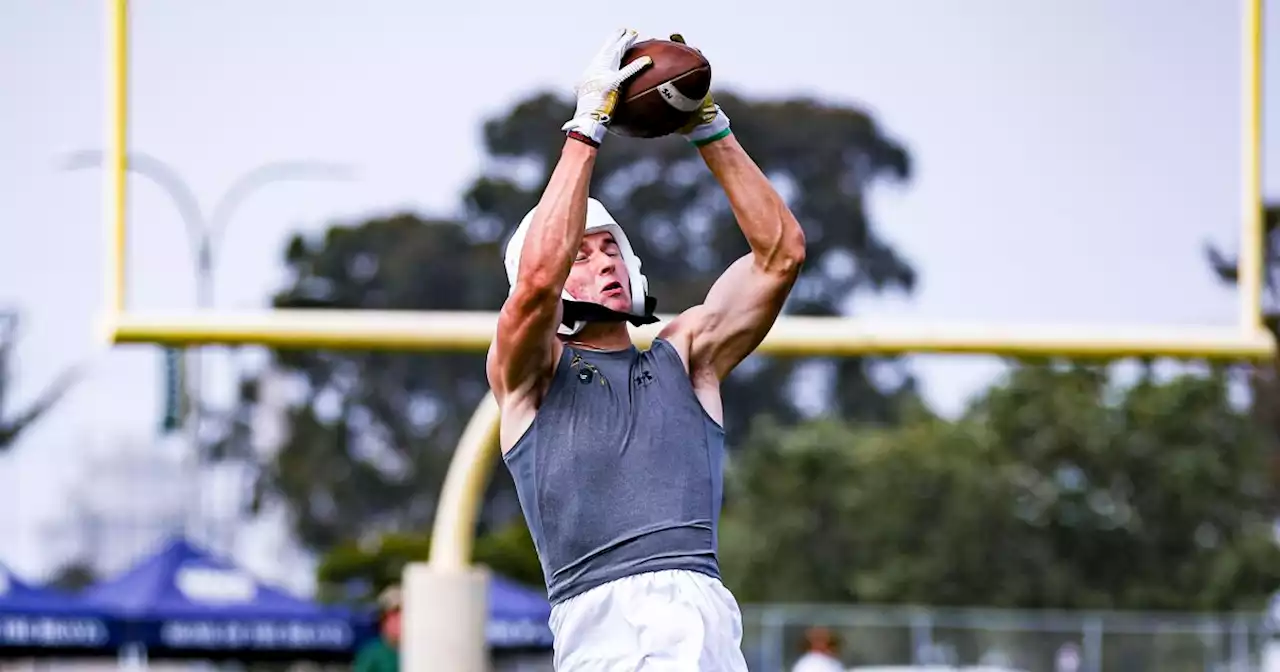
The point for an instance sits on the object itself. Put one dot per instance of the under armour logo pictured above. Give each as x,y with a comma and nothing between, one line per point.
644,378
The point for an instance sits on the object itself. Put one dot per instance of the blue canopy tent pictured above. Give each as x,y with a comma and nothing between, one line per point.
518,616
185,602
42,621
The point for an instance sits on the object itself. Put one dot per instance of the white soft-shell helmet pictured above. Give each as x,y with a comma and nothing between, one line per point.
598,219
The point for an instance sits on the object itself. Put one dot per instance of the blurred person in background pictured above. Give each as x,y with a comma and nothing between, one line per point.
618,454
820,652
383,653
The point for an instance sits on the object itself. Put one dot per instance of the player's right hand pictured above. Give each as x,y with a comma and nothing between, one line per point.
710,123
597,90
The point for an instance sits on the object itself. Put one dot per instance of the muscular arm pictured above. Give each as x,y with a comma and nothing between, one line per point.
524,348
743,304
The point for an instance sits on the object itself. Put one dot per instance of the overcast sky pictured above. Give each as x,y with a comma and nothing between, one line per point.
1072,159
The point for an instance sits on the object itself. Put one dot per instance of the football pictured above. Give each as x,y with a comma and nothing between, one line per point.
664,96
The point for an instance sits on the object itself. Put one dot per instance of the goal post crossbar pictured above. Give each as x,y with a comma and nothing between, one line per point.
792,335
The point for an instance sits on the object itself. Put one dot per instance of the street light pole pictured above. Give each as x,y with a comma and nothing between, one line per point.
205,236
8,327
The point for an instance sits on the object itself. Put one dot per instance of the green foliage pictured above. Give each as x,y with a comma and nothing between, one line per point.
1263,377
1054,490
509,551
359,571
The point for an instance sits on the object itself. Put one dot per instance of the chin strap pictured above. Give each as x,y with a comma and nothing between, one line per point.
582,311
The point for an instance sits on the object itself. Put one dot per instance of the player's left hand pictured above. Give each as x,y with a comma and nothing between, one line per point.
597,90
710,123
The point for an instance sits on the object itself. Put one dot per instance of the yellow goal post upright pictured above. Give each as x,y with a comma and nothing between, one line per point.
446,597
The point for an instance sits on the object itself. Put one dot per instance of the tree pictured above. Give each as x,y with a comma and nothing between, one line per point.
823,158
368,446
1054,490
13,425
369,443
1263,377
357,572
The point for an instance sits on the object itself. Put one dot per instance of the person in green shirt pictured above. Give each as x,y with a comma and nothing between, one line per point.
383,653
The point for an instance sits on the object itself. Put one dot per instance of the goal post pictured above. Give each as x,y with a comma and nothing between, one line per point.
446,632
453,331
791,336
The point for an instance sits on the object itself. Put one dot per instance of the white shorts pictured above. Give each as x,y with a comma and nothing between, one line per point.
673,620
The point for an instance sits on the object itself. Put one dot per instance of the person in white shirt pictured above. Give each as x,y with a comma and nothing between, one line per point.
821,654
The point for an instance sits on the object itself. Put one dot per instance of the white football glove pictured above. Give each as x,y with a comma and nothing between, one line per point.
710,123
597,90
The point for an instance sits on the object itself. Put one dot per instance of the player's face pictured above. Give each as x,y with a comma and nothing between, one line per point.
391,626
598,274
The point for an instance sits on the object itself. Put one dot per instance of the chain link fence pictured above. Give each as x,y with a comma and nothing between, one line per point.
1011,640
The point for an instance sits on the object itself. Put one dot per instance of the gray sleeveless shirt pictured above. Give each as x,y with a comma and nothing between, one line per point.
621,471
